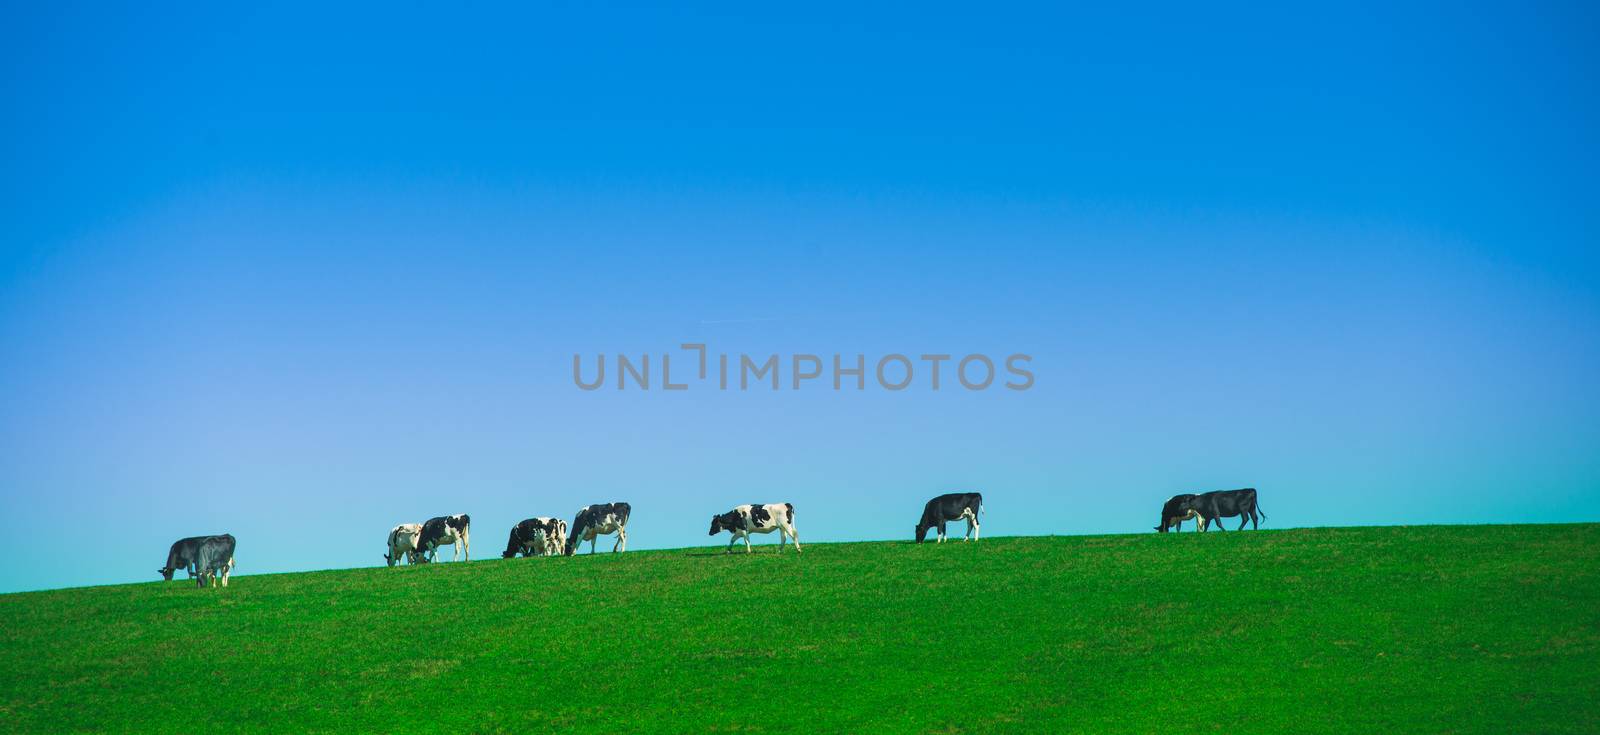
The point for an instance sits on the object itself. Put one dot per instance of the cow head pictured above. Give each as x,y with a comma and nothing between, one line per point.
1177,509
922,531
1170,519
391,561
514,543
166,573
716,525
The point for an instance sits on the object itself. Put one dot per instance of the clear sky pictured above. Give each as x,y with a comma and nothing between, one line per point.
302,273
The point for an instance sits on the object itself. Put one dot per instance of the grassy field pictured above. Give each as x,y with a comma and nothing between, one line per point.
1492,629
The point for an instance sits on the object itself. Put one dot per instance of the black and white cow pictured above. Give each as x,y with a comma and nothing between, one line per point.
213,556
453,531
1219,504
1176,510
746,520
542,536
403,543
951,507
598,520
181,556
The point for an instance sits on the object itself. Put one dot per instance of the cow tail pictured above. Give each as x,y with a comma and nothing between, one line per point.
790,506
1259,510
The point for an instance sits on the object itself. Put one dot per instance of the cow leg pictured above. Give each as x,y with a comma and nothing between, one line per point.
1254,523
941,532
747,544
732,539
977,528
1243,519
795,535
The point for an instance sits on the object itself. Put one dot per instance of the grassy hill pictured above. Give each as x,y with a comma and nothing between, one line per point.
1490,629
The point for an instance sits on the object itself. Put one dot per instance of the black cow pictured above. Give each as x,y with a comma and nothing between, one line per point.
598,520
453,531
181,556
542,536
214,554
1179,508
951,507
1220,504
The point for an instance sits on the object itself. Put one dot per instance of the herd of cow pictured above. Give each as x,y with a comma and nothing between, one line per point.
211,557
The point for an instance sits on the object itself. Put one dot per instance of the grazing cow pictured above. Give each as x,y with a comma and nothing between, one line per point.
181,556
213,555
542,536
403,543
951,507
745,520
1220,504
597,520
453,531
1180,508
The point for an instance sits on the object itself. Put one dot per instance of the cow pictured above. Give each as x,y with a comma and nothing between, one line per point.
746,520
597,520
951,507
1220,504
403,543
1176,510
214,555
181,556
453,531
542,536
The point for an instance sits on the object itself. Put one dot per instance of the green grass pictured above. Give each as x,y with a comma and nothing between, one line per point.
1492,629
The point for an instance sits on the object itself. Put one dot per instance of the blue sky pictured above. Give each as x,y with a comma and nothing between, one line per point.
301,273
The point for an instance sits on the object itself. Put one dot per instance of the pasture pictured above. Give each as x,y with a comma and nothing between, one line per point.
1489,629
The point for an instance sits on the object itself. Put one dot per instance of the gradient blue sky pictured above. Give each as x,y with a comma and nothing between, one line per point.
301,273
